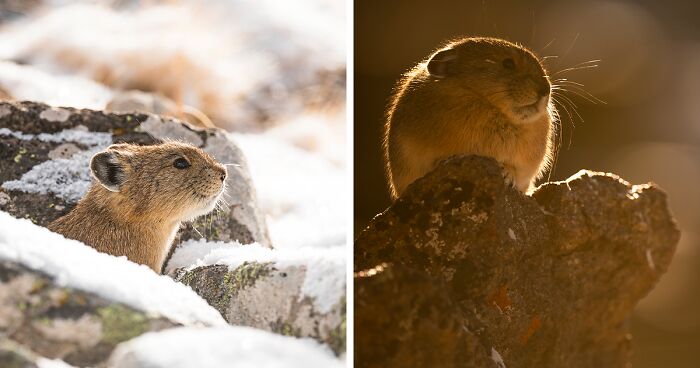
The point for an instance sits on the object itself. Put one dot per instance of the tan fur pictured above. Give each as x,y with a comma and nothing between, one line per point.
140,220
480,109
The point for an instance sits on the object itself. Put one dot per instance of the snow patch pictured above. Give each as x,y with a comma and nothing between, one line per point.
302,194
187,347
325,268
73,264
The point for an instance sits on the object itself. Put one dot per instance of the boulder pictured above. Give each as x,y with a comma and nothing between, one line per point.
270,297
40,317
465,271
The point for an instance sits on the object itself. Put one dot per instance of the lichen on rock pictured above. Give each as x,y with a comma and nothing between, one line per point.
64,323
268,297
465,271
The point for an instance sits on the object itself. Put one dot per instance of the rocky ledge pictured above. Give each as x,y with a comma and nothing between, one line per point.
465,271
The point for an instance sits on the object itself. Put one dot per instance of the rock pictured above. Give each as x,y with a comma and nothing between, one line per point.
44,155
61,322
135,101
13,355
540,281
270,298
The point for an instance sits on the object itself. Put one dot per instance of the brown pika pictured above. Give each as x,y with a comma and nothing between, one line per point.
139,198
481,96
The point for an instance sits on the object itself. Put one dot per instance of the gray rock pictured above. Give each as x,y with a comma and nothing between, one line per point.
13,355
44,155
63,323
262,296
464,271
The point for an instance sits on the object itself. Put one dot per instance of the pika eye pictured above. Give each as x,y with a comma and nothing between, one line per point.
509,64
181,163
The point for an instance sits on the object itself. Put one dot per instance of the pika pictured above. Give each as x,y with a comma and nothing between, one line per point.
481,96
140,196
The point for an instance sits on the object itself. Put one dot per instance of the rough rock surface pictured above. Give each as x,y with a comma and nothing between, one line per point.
62,140
62,323
262,296
464,271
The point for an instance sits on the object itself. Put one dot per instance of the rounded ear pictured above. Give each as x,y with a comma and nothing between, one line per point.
443,64
108,168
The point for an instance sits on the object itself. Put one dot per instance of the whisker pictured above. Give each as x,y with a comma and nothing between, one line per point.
578,87
576,68
549,44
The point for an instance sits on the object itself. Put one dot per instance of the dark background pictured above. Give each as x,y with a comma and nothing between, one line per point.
648,129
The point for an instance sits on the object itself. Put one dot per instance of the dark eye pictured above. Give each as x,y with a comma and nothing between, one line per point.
181,163
509,64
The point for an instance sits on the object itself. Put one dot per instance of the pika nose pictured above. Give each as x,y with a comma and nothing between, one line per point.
223,174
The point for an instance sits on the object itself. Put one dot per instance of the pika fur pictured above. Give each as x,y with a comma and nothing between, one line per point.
482,96
139,198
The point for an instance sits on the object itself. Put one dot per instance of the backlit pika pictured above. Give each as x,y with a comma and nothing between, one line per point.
140,197
481,96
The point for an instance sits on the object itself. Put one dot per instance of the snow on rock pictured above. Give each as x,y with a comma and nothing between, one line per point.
24,82
72,264
325,268
298,292
220,347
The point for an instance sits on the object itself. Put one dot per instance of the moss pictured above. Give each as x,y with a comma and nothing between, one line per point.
120,323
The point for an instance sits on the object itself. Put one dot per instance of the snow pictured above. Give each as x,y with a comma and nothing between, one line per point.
302,193
29,83
175,48
51,363
188,347
325,267
76,265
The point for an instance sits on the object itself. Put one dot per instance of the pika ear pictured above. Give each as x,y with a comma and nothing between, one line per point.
443,63
108,168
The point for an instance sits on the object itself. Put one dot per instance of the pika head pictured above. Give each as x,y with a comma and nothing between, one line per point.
508,76
169,182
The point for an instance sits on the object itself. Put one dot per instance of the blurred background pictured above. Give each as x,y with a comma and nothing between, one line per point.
648,129
272,73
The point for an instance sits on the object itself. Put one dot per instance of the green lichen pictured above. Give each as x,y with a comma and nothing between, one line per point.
284,328
187,278
337,337
242,277
12,359
18,157
120,323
